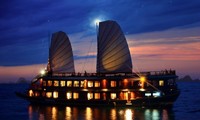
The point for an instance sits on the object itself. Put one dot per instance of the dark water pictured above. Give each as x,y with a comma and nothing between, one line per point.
187,107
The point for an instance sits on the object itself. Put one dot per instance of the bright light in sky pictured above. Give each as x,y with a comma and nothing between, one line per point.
97,21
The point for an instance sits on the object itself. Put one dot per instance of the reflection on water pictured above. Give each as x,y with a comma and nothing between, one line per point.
97,113
128,114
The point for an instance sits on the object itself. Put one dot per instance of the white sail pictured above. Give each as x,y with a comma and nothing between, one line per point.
60,54
113,55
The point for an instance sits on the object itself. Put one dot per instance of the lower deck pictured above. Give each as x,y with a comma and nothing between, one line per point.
162,101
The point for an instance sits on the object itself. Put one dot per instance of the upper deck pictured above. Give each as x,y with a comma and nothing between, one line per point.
164,74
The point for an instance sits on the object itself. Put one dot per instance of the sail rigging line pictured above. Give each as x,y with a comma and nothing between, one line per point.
140,75
44,46
85,61
153,86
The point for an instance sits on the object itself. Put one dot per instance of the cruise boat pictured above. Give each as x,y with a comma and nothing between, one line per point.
113,84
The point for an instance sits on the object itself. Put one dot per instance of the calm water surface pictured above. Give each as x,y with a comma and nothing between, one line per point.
187,107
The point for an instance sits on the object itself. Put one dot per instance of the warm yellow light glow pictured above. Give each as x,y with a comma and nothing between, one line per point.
54,113
56,83
42,72
37,94
90,96
96,84
113,83
142,89
69,83
49,94
96,95
75,95
142,79
89,113
113,96
128,114
49,83
85,84
55,94
31,93
69,95
90,83
114,114
68,112
161,82
76,83
62,83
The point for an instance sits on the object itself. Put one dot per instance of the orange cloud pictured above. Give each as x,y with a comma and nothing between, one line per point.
175,49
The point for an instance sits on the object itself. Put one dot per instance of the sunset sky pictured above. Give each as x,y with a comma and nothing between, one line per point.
161,34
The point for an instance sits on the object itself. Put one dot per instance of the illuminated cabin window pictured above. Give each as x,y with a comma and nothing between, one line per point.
125,95
56,83
44,83
96,95
31,94
55,94
161,83
49,94
82,84
104,83
90,83
147,94
69,83
96,84
156,94
85,84
113,83
62,83
76,83
69,95
49,83
75,95
113,96
37,94
90,96
125,83
132,95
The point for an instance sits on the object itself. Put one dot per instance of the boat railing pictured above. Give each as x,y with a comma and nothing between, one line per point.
92,74
153,73
157,73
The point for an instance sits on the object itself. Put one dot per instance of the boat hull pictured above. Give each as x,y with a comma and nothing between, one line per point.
164,101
